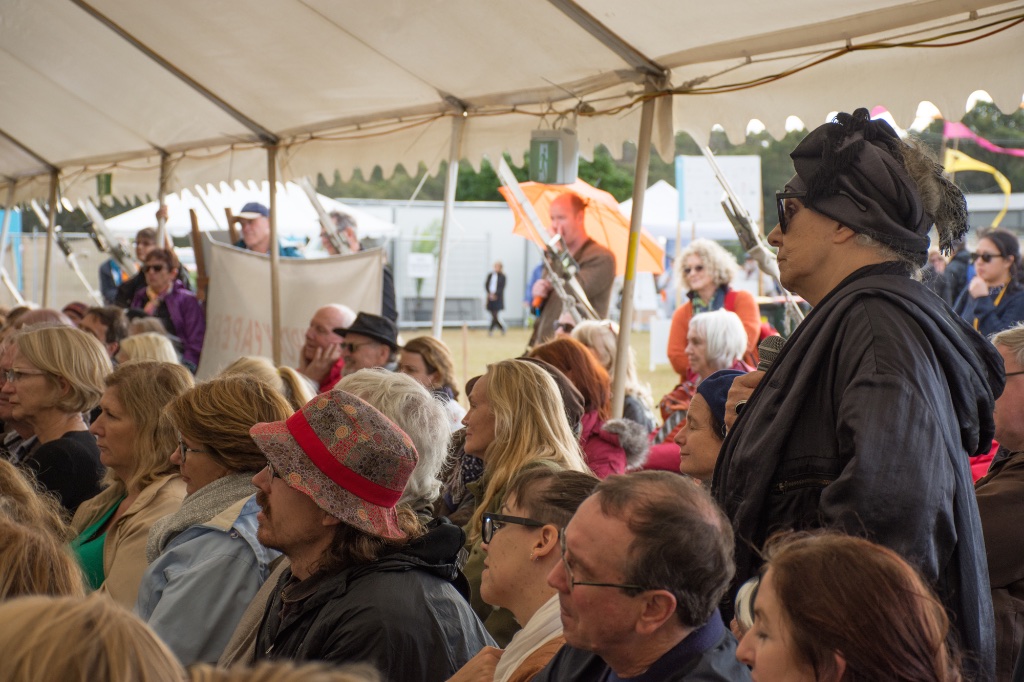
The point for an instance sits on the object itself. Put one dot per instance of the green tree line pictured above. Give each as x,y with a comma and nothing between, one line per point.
615,175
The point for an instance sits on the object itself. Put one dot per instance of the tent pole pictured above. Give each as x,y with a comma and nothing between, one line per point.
50,229
450,183
643,161
161,221
275,256
8,206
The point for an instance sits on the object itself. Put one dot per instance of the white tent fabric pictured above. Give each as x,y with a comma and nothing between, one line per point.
114,86
661,216
296,216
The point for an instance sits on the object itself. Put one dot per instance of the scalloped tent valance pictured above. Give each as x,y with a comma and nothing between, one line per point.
124,86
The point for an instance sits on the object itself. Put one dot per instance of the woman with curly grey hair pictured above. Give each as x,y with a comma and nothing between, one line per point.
705,270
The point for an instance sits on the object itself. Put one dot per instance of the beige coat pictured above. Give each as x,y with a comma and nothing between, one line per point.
124,551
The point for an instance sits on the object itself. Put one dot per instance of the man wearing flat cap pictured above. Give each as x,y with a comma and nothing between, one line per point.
254,219
367,582
371,341
866,420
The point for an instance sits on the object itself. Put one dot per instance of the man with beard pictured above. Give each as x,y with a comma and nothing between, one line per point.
596,274
367,582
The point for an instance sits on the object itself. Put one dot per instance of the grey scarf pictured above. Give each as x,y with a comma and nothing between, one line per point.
197,508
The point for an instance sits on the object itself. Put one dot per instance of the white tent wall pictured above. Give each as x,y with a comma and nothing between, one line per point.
341,85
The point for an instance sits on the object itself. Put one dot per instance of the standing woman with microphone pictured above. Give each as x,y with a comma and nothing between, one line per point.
994,298
866,420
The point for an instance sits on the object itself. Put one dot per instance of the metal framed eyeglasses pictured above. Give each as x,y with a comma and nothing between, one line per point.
495,522
572,579
186,449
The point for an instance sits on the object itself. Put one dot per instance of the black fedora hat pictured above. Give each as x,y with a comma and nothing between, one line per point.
375,327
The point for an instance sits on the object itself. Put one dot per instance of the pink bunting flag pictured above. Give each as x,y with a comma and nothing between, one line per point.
959,130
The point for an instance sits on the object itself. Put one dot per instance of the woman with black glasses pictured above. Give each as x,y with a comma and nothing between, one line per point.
994,298
522,547
142,486
866,420
207,552
516,419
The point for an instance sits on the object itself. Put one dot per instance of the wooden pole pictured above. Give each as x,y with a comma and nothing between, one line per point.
643,160
8,206
202,280
232,226
50,229
465,354
450,183
275,256
161,220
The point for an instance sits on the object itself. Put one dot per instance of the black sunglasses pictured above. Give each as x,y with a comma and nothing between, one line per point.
780,203
985,257
495,522
695,268
159,267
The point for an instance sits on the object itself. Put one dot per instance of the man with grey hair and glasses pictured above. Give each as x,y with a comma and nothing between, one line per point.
645,561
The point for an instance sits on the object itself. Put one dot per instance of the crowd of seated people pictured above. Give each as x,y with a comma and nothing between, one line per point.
813,521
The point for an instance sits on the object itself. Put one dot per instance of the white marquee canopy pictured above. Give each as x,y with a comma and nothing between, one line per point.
200,87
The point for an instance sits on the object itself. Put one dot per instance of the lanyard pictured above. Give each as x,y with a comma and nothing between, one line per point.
999,298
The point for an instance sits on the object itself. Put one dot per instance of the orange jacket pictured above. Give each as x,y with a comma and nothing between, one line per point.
744,306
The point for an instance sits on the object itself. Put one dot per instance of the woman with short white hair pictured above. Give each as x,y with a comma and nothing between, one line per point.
714,341
421,415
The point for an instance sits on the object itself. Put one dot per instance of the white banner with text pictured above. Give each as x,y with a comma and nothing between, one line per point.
238,320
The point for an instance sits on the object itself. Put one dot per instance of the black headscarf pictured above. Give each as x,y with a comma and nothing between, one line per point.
852,171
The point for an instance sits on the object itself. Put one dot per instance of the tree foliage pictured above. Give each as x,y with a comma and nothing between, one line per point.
615,175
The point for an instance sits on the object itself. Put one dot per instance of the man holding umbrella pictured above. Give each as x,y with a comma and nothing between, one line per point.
596,273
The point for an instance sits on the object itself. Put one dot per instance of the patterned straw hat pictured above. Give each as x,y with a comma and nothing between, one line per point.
348,457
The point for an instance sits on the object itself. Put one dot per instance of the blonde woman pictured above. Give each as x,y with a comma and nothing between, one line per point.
23,501
207,552
516,419
602,338
57,374
34,561
142,484
706,271
147,347
75,639
292,385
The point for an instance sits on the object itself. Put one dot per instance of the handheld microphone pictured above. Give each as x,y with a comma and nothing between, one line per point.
768,350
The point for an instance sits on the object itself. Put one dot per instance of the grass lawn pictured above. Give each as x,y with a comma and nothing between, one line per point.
473,350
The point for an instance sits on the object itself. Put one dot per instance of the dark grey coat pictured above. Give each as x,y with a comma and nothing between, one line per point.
407,614
865,423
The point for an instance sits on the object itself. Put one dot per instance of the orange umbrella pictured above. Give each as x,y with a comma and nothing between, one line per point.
602,221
